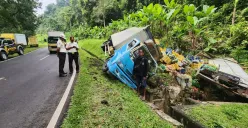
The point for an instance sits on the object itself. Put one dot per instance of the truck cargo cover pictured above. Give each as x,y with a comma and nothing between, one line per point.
232,68
120,38
54,33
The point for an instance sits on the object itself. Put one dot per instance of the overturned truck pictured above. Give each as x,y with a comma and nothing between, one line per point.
123,48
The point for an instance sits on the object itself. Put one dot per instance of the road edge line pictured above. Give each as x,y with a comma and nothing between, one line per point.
62,104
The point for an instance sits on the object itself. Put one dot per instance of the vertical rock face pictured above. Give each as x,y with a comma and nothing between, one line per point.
164,91
173,92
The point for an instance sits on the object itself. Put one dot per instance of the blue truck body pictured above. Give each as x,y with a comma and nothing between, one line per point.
121,62
121,65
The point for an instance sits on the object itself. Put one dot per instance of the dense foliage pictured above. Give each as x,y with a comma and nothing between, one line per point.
18,16
219,27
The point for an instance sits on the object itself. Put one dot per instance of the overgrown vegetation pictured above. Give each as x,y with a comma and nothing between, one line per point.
18,16
218,27
221,116
102,102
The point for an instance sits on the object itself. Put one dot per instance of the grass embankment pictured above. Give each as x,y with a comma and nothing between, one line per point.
121,106
221,116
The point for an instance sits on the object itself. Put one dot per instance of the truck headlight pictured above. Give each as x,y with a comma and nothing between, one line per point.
120,64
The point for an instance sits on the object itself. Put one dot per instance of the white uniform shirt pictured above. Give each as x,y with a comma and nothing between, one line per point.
61,45
71,45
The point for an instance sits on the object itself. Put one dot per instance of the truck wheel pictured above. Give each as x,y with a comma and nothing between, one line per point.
20,52
3,56
105,67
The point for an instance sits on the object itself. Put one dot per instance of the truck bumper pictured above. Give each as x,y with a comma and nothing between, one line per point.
52,49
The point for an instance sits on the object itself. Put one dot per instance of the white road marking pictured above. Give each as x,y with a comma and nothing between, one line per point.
44,57
2,78
58,112
18,56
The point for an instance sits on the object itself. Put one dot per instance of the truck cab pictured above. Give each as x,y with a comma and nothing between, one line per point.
52,40
8,47
121,62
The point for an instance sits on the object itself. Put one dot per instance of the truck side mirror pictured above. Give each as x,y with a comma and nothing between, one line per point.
45,40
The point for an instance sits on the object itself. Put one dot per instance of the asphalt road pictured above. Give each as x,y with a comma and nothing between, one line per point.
30,90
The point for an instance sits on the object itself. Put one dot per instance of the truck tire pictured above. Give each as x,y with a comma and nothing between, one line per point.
3,56
20,51
105,67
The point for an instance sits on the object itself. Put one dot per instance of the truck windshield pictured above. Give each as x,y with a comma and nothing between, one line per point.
52,39
153,50
151,61
1,39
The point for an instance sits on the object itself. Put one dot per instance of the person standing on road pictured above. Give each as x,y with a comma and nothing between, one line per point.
72,48
141,72
61,53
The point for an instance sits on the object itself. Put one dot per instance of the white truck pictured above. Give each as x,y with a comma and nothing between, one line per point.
11,43
18,38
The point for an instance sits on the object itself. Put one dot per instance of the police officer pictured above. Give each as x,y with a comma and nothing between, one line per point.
72,48
141,73
61,53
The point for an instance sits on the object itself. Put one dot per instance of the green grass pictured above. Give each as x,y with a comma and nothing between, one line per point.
221,116
124,108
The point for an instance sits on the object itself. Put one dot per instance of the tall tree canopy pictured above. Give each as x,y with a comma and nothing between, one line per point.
18,16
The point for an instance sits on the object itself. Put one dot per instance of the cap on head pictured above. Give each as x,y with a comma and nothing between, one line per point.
62,36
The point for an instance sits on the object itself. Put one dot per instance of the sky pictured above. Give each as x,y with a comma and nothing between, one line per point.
44,4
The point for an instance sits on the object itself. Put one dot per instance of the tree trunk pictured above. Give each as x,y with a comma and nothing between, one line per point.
104,23
103,17
234,15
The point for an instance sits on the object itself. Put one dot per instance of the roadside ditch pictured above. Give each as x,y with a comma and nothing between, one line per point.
165,95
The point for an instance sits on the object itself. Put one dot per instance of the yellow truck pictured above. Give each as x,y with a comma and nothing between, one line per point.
17,38
52,40
32,41
8,47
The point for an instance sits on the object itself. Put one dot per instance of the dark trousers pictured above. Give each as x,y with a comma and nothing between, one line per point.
61,62
141,84
75,58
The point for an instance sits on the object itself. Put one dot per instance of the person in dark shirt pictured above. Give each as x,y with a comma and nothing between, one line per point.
141,72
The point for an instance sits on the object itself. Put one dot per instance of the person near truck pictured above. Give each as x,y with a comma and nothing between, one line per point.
61,53
72,48
141,73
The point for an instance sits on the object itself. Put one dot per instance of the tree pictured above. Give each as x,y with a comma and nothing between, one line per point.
234,11
18,16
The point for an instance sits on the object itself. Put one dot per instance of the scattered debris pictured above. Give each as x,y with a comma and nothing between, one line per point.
94,78
105,102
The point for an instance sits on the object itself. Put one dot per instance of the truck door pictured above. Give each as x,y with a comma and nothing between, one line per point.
151,61
126,62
